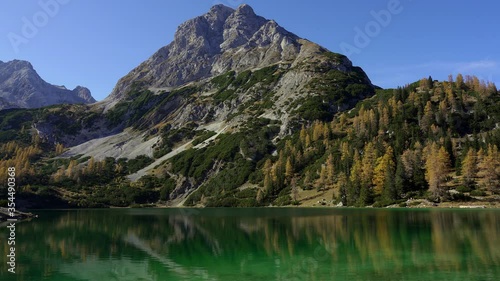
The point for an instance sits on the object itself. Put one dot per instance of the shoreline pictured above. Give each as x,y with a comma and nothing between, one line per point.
18,215
420,204
420,207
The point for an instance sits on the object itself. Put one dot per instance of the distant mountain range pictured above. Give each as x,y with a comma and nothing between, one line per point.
22,87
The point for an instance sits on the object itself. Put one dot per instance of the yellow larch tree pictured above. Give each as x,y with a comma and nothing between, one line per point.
368,164
384,165
469,168
437,167
489,169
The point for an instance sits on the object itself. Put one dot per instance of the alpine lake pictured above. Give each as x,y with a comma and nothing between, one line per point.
256,244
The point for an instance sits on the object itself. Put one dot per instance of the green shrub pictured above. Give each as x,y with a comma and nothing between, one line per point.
205,136
335,56
131,110
460,197
284,200
167,188
247,193
478,193
464,189
138,163
223,202
383,203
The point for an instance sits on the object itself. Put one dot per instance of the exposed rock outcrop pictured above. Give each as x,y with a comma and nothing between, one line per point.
224,39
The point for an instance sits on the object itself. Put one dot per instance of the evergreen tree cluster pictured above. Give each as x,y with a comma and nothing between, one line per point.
421,140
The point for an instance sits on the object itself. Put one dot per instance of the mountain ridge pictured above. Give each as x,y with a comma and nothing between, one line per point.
221,40
22,87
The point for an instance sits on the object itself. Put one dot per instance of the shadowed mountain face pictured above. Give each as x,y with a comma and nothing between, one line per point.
22,87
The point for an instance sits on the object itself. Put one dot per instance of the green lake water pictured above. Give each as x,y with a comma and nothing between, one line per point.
256,244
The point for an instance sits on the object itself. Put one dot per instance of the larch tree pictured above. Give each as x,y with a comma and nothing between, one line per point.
469,168
91,166
268,181
307,141
384,119
384,171
437,167
321,182
489,169
71,170
354,179
317,131
368,164
459,81
330,170
492,88
59,148
288,169
427,118
424,84
303,134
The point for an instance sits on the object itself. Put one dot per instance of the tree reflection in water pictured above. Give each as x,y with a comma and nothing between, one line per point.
260,244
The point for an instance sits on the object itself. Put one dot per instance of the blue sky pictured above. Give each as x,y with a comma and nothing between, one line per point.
93,43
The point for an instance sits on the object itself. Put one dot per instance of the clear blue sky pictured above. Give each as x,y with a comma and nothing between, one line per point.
93,43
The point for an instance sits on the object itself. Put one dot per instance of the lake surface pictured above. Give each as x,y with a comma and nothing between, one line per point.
257,244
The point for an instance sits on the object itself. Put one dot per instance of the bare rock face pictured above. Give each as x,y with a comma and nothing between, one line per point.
223,39
22,87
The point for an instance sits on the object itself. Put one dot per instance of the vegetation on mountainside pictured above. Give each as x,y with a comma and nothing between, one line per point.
418,141
333,90
228,84
430,139
236,156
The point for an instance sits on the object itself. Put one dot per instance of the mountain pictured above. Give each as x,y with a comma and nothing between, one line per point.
227,40
22,87
228,67
238,111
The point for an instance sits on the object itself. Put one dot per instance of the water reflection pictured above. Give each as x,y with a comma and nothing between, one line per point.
249,244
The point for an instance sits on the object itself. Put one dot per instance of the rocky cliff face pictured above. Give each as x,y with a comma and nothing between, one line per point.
22,87
212,44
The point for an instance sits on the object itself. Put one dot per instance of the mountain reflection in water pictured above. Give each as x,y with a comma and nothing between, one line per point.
259,244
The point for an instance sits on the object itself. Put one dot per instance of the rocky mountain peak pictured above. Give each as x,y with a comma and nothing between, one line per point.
240,27
209,45
20,64
84,94
246,10
21,86
219,41
220,10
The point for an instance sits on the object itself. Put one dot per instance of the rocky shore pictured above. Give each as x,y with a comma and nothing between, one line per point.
5,215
